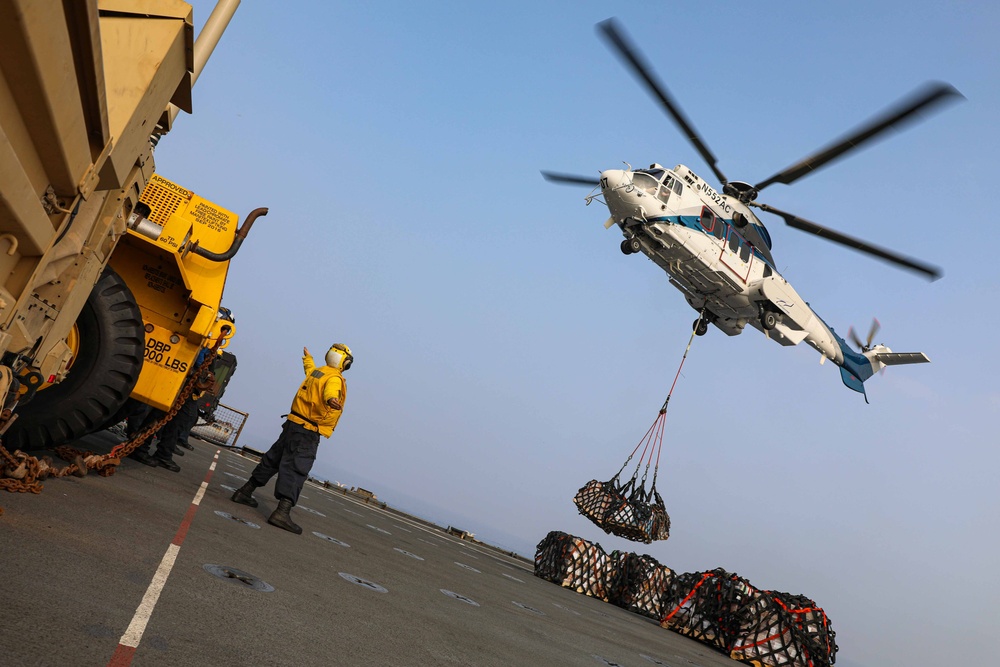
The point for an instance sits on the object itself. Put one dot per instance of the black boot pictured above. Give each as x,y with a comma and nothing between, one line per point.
280,518
244,495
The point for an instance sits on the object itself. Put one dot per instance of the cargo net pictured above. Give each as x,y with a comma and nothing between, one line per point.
725,611
627,510
630,510
573,562
717,608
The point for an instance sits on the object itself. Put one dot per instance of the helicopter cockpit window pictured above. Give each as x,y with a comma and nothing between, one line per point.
664,195
656,173
644,181
678,187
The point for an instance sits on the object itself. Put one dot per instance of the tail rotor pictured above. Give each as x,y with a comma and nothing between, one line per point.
867,345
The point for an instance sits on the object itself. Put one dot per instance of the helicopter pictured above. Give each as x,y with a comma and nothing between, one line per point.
715,249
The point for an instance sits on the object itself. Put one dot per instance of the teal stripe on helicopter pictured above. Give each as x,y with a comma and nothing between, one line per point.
856,367
694,222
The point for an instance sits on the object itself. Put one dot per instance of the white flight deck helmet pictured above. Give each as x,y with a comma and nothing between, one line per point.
339,357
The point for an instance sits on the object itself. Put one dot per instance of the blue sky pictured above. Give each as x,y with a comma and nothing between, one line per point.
507,352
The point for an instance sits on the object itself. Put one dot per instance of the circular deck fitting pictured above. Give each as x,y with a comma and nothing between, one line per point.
363,582
520,581
460,598
309,509
467,567
244,579
378,529
330,539
227,515
407,553
527,608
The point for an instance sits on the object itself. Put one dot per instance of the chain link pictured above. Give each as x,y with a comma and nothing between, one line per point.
22,473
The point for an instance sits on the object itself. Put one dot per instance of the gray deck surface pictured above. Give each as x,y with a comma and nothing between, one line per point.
78,558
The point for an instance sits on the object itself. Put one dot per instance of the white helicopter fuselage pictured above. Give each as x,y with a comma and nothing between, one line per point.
723,268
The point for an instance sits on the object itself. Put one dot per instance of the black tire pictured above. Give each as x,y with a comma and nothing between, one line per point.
106,368
768,320
701,326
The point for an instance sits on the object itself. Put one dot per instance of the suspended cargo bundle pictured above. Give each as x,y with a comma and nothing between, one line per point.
630,510
627,510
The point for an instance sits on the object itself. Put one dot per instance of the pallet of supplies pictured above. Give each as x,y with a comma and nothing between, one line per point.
573,562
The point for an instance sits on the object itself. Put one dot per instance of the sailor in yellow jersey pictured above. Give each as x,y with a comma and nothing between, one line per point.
316,409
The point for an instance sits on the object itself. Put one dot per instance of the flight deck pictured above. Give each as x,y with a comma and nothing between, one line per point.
150,567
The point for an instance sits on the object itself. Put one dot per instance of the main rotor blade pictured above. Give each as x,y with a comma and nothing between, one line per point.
930,95
619,42
570,179
931,272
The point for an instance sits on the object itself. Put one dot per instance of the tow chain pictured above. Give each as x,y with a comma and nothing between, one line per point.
23,473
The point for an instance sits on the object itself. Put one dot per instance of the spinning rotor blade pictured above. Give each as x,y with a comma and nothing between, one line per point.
931,272
871,332
616,38
570,179
931,95
867,345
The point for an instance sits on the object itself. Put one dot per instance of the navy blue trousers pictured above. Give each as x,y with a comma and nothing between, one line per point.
291,457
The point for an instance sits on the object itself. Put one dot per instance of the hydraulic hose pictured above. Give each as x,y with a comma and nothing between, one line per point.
241,234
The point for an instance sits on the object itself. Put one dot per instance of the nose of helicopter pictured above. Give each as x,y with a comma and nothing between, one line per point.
620,195
612,179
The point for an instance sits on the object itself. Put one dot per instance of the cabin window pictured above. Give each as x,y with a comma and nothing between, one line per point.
767,270
678,187
707,219
745,252
734,241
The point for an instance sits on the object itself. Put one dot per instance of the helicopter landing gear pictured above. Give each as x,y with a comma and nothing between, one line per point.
700,326
768,319
631,245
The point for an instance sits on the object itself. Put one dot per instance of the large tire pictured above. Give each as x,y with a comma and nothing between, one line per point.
106,368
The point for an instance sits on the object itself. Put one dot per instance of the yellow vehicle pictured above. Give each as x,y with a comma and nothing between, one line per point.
111,276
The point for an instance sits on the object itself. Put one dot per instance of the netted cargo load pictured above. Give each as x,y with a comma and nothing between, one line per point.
644,585
783,630
763,628
573,562
706,606
627,510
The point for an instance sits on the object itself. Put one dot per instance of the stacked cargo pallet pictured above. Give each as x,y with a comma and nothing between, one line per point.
717,608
